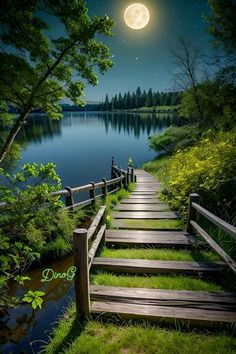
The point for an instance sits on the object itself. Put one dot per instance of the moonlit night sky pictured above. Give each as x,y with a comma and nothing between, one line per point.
142,57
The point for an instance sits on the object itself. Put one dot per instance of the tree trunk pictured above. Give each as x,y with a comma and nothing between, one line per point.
13,133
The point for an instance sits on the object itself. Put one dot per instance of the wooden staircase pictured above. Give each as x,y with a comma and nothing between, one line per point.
193,307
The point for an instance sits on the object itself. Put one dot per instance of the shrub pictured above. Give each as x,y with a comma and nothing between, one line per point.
175,138
207,169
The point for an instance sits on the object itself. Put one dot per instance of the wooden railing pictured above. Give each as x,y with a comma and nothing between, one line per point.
194,209
84,252
119,178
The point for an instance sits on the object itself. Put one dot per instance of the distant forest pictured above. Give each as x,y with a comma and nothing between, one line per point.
138,99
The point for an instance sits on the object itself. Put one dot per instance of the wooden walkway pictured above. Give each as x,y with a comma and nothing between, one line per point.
193,307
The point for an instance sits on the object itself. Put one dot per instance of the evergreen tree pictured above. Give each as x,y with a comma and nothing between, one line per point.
128,101
143,99
138,98
149,98
106,105
115,102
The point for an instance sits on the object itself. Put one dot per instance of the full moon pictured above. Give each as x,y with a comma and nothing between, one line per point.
136,16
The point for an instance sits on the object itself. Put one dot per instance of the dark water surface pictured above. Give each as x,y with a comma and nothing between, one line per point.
81,145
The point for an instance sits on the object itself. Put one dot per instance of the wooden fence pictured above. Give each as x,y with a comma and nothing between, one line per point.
83,255
194,209
119,178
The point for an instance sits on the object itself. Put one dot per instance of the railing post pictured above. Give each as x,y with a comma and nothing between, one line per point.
69,199
112,167
104,189
193,198
132,175
92,193
82,296
128,175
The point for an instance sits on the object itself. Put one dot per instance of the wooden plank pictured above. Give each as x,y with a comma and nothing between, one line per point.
230,229
141,196
141,201
145,215
226,258
163,313
146,193
124,265
96,222
142,207
122,224
220,301
158,238
95,245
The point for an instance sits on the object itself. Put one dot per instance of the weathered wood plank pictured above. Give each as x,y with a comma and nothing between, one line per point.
141,196
142,207
145,215
141,201
122,224
124,265
220,301
155,238
143,193
163,313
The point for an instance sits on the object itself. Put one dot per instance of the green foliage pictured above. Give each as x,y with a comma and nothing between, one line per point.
217,102
207,169
32,224
222,23
38,68
174,138
34,298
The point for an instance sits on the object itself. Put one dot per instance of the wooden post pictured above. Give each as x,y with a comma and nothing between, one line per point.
92,193
82,296
193,198
132,175
104,189
128,175
69,199
112,167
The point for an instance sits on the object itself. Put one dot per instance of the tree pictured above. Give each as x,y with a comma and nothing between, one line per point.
223,23
138,98
149,98
37,70
106,104
187,59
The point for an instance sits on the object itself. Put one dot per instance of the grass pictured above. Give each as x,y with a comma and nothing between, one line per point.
152,224
160,254
97,337
170,282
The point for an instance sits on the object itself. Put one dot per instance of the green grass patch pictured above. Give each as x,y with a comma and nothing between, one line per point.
104,337
160,254
171,282
152,224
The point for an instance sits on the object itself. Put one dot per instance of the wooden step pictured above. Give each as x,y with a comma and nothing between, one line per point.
141,201
124,224
144,266
166,314
143,193
218,301
154,238
142,207
141,196
145,215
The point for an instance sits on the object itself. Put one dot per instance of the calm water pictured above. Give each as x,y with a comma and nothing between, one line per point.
81,145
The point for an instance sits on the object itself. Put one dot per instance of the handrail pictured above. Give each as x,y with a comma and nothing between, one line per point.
230,229
192,225
83,258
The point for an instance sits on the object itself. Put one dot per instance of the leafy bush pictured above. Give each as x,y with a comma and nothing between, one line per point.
175,138
208,168
32,224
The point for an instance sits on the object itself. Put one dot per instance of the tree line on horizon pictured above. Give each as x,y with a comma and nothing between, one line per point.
139,99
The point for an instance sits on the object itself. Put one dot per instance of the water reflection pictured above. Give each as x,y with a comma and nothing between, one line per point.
39,126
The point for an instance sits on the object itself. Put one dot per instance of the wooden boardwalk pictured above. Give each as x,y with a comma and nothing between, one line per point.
194,307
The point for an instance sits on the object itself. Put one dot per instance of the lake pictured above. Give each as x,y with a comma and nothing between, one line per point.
82,146
82,143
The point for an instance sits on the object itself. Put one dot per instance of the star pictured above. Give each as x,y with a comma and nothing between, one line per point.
136,58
